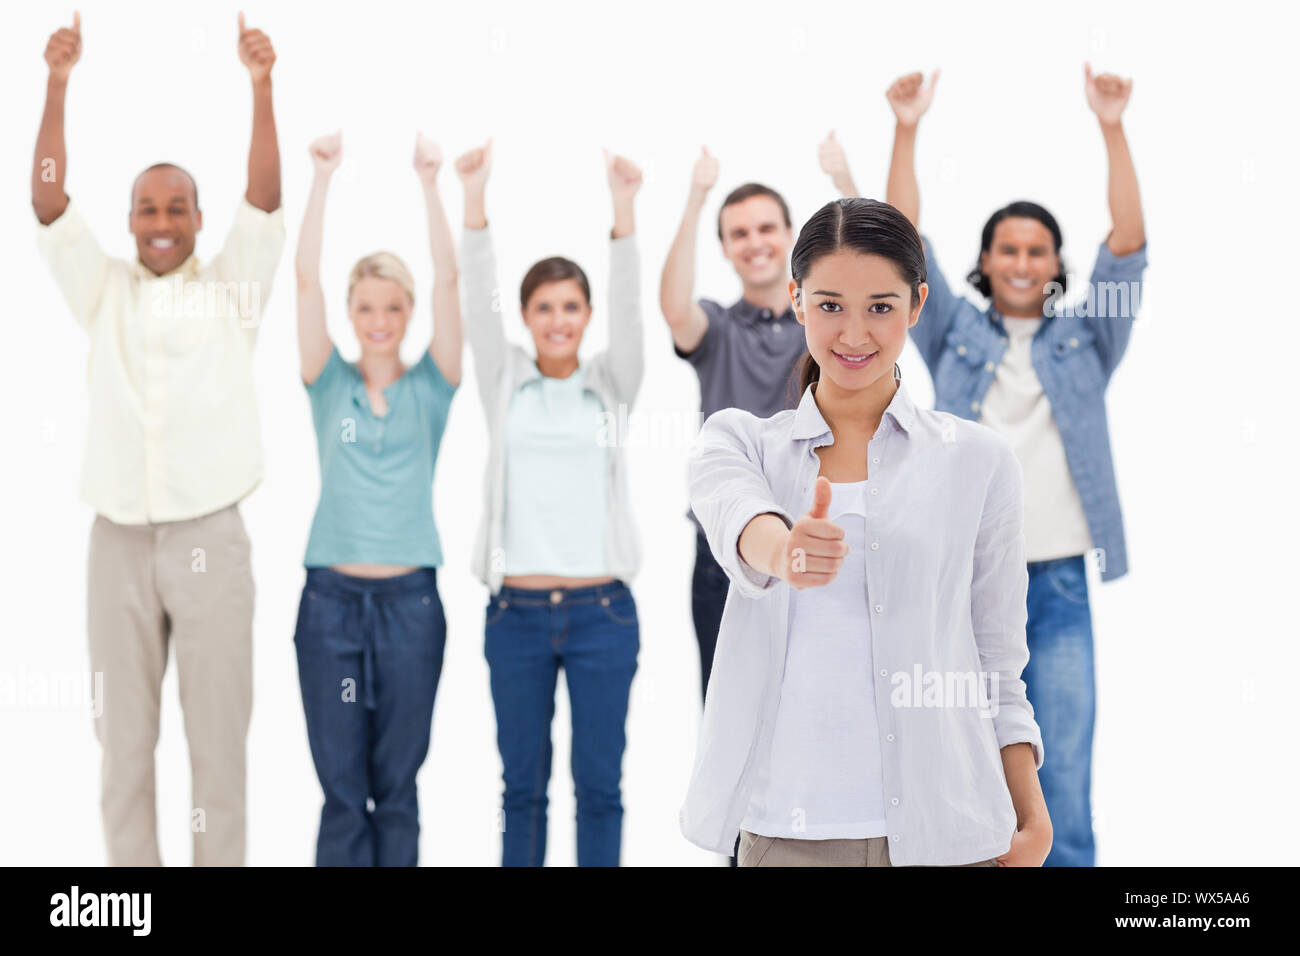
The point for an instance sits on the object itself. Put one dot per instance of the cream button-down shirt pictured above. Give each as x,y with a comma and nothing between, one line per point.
173,431
945,578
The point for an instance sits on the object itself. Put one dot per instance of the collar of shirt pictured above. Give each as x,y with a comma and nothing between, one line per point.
809,423
532,373
748,314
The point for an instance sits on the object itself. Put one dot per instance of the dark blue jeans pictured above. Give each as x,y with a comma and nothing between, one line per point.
369,658
1062,689
593,634
709,586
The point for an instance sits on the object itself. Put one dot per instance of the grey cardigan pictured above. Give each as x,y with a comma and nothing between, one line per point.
501,367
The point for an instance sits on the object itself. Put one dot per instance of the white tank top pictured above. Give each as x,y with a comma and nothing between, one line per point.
822,779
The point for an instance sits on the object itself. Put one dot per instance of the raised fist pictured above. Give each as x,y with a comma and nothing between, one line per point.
327,152
64,49
255,51
910,97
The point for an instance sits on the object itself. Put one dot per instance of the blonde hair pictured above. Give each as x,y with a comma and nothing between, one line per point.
382,265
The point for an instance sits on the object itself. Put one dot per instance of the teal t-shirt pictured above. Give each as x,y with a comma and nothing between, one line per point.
376,473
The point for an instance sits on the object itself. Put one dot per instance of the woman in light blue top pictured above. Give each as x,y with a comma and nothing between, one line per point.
371,627
557,540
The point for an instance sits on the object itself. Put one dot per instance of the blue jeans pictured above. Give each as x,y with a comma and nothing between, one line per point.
591,632
369,658
1061,687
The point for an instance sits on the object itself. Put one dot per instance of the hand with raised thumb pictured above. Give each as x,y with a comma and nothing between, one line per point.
815,547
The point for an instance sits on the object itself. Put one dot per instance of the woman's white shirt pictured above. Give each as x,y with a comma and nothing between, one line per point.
944,566
822,778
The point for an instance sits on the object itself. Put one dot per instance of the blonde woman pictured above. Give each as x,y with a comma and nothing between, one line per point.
371,627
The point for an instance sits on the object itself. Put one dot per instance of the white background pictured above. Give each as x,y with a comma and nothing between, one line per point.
1196,647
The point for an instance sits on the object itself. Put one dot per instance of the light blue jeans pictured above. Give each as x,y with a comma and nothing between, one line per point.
1062,689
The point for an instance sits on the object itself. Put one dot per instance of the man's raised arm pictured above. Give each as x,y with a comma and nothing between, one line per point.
256,53
49,167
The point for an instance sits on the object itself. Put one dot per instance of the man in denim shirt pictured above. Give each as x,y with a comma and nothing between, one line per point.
1036,371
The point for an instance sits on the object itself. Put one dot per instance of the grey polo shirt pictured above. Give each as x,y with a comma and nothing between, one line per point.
748,359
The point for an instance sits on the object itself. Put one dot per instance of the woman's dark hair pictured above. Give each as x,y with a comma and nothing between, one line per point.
859,225
1022,209
554,269
748,191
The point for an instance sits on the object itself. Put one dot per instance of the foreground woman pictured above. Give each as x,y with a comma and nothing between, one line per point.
866,706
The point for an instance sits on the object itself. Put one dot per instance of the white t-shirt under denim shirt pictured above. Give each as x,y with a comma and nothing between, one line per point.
822,778
1015,407
946,582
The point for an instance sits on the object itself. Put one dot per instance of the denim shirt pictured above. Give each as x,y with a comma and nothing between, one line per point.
1074,352
946,583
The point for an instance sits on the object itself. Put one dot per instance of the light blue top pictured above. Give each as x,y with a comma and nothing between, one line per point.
557,469
376,473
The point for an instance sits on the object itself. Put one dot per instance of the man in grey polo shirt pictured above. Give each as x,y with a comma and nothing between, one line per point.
744,354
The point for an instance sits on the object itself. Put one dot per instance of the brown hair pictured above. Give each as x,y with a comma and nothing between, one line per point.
748,191
554,269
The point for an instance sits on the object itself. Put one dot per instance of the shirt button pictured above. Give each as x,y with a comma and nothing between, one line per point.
1074,343
875,461
557,597
974,406
884,672
988,366
767,313
875,491
889,737
875,546
894,801
604,602
879,608
961,350
894,838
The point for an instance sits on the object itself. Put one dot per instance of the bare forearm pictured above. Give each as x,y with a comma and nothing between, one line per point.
50,164
1022,782
677,285
624,218
475,209
902,191
310,237
264,151
1128,232
844,183
442,246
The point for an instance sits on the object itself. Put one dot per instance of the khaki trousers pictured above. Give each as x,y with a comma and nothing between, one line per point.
186,584
780,851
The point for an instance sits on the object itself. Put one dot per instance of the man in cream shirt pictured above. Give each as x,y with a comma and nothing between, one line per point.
172,447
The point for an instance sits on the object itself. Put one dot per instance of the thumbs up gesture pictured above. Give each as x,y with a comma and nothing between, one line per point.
815,547
64,49
255,51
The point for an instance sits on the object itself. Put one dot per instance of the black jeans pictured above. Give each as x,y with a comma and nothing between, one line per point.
709,586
